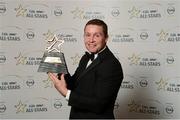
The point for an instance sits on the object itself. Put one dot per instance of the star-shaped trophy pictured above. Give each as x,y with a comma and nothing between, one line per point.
53,59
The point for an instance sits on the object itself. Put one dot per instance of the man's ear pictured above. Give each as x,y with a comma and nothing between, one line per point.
106,39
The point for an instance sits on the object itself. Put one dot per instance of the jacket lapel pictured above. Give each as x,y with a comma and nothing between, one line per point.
91,66
103,55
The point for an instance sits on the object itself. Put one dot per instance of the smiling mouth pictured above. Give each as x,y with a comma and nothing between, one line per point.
91,45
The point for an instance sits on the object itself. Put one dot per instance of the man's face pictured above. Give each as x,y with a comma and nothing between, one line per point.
94,38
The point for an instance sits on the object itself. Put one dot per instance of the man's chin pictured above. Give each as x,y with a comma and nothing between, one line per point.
92,50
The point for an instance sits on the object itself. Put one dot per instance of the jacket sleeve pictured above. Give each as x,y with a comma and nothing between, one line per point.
70,80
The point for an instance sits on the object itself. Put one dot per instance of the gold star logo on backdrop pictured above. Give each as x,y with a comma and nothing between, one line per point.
134,59
77,13
48,83
20,107
133,106
20,59
134,12
161,84
20,11
75,59
162,36
49,35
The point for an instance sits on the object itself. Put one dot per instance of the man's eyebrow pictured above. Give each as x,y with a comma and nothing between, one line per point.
98,33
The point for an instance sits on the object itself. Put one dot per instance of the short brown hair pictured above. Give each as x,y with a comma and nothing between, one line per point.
99,23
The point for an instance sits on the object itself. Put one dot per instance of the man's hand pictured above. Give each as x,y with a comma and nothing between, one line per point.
60,85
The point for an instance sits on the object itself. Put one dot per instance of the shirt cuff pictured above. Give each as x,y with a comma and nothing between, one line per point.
68,95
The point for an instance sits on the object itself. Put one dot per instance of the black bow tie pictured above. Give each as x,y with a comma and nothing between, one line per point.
90,56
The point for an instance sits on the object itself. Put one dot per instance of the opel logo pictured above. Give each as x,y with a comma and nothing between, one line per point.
2,108
170,10
57,12
170,60
143,83
2,9
115,12
169,109
30,35
30,82
2,59
57,104
144,35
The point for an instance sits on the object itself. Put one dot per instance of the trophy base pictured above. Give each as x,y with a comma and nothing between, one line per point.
53,62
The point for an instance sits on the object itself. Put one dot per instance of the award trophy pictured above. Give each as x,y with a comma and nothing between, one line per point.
53,59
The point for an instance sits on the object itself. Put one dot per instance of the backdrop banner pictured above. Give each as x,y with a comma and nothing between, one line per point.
143,34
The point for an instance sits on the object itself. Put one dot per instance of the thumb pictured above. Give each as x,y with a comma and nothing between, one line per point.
62,76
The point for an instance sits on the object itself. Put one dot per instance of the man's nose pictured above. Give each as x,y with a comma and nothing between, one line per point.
92,38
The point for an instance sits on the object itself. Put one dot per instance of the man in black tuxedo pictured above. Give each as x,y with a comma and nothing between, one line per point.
92,90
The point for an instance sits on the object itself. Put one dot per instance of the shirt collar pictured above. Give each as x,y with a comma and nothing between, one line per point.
96,55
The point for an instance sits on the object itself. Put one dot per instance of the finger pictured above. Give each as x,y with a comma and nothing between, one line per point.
62,76
52,77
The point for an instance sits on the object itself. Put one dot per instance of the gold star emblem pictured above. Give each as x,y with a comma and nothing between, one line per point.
20,107
77,13
134,12
133,106
20,11
161,84
134,59
75,59
162,36
48,83
20,59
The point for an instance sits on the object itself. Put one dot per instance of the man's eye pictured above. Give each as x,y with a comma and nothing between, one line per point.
97,35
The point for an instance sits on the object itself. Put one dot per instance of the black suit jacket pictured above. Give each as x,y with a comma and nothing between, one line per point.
94,89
